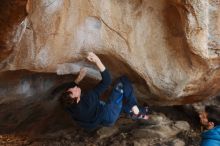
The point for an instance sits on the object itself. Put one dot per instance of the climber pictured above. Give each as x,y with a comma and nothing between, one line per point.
210,119
89,111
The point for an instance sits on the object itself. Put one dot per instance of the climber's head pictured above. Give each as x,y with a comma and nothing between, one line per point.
71,96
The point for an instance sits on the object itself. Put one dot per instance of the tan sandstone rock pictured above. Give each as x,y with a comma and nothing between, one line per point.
170,48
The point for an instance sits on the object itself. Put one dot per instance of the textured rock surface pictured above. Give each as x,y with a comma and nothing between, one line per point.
163,129
169,47
42,129
12,13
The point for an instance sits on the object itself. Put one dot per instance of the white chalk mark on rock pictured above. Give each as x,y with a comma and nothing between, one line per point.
52,6
42,57
74,68
88,35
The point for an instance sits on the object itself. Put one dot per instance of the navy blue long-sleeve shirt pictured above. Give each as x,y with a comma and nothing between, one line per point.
88,111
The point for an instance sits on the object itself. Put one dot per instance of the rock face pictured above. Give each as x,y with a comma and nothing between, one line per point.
170,48
12,13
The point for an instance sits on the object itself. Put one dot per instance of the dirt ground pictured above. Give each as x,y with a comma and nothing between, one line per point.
57,133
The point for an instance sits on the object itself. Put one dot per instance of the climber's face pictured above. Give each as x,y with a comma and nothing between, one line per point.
75,93
204,120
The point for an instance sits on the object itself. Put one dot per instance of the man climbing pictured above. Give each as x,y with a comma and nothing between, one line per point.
87,109
210,119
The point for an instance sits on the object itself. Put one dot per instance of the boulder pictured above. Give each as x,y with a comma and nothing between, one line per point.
170,48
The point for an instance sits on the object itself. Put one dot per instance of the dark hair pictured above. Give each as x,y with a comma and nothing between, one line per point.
66,100
213,114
